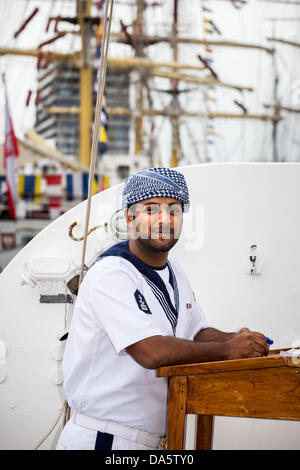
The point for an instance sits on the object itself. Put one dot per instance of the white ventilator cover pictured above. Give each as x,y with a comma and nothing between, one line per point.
238,211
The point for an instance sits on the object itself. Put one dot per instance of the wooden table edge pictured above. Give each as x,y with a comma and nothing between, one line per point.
273,360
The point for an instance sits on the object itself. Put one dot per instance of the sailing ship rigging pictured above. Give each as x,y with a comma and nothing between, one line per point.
138,38
188,82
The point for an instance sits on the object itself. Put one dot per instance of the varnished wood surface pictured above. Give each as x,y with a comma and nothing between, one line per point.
263,387
273,360
258,393
177,411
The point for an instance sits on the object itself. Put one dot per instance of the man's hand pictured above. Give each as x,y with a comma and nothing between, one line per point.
246,343
209,345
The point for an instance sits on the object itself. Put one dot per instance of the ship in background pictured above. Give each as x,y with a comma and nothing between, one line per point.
187,82
229,95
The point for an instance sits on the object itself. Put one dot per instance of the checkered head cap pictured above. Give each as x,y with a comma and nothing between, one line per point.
156,182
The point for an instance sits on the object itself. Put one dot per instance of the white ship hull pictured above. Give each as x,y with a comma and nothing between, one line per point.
234,207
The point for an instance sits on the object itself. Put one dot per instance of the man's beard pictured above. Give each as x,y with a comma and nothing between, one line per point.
159,245
154,245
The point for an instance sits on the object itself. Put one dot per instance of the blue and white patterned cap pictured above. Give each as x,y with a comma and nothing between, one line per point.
156,182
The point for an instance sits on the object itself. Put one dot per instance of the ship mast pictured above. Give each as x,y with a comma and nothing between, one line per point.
86,74
139,129
139,40
174,85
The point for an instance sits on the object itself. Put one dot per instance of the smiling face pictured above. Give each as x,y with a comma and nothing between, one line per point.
155,223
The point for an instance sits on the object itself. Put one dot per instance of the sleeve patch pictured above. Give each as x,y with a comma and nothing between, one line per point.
141,302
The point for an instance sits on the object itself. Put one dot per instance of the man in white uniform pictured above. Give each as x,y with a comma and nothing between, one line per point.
136,311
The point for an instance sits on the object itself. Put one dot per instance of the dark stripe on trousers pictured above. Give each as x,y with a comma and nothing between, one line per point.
103,441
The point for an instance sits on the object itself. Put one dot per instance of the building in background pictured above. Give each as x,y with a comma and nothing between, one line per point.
59,89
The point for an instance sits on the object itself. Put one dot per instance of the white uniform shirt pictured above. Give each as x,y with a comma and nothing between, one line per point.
114,309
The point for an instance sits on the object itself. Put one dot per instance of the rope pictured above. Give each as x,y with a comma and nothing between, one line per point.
100,91
65,412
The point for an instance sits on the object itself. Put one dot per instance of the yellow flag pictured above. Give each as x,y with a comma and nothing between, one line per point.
21,183
102,135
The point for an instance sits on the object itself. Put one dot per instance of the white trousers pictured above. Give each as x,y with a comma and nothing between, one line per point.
76,437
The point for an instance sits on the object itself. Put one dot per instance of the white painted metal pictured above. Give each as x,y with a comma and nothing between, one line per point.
238,211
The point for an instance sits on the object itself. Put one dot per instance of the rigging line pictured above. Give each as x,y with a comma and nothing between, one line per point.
263,125
51,10
292,120
194,145
264,144
100,90
64,411
205,97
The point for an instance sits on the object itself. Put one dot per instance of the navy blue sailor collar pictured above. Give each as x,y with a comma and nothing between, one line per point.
152,277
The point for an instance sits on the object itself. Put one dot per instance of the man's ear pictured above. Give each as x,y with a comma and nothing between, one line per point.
126,215
129,216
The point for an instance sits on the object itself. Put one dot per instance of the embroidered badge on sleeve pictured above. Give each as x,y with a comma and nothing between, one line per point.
141,301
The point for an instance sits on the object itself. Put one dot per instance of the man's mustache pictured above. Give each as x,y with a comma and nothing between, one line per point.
163,230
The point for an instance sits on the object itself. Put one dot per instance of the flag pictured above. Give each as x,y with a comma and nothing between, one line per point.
85,185
2,187
103,140
104,182
103,129
29,187
99,35
54,185
11,152
77,186
54,193
104,116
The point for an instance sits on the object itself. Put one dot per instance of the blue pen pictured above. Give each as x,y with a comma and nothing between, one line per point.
269,341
